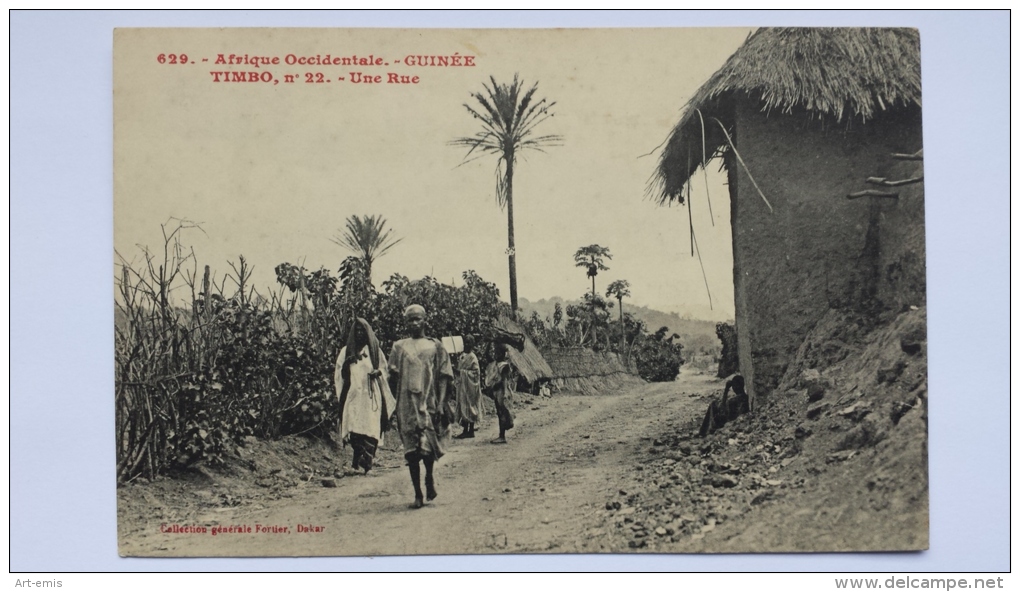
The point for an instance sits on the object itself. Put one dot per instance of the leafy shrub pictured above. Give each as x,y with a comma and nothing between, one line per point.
659,357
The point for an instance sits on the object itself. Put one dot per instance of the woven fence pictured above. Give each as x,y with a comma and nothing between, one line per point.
588,372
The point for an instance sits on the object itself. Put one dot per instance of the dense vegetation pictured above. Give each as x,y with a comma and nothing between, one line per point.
196,374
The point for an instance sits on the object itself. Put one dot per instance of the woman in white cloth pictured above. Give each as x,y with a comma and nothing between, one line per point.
362,385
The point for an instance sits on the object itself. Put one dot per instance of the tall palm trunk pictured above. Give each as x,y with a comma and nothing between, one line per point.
623,332
511,250
508,114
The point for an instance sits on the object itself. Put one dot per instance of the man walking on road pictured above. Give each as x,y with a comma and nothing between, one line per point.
420,373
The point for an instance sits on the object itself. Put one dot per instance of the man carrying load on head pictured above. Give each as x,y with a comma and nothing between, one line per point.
499,387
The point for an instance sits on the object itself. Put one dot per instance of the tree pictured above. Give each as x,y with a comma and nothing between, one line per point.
592,258
620,289
368,238
584,320
659,357
508,118
460,310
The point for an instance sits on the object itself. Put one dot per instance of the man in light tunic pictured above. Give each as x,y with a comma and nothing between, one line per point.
420,374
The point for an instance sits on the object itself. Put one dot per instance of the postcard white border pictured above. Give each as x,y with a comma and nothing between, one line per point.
63,511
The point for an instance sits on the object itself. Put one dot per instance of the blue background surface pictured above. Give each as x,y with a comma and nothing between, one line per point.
63,505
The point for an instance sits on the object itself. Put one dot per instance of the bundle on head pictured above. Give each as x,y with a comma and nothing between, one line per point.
497,335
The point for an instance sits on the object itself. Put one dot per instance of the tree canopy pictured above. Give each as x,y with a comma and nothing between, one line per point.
593,259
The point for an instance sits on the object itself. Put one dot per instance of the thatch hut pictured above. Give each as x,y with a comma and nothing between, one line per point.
530,364
806,121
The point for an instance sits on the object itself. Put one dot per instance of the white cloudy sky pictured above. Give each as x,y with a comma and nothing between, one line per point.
272,171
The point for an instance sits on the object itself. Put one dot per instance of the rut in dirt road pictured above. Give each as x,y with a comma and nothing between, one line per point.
539,493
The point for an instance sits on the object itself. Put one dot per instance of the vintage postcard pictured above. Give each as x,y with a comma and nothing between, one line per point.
440,291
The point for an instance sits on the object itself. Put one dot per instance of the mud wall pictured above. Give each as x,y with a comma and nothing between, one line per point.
576,362
901,283
818,250
585,371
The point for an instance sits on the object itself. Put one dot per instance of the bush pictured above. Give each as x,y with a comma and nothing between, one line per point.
658,357
261,383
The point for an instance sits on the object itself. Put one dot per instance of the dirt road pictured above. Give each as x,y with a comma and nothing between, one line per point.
545,491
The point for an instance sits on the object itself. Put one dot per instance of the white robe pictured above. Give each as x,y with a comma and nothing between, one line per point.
363,410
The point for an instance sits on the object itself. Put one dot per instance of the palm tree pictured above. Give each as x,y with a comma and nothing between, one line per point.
592,257
508,118
368,238
620,289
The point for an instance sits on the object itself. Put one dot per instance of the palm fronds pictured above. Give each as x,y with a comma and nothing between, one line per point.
368,237
618,289
508,115
592,258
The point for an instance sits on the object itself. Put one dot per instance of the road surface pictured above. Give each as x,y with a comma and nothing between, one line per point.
545,491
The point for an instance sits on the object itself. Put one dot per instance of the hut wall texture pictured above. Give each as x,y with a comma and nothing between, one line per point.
577,362
818,250
901,250
588,372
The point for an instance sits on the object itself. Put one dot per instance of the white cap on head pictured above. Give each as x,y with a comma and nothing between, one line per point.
414,309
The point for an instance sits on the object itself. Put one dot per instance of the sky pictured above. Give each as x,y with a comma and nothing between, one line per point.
271,171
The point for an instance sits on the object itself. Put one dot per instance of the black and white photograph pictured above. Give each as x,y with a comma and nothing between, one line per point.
419,292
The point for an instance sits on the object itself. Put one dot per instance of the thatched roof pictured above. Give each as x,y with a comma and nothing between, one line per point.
529,363
839,73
